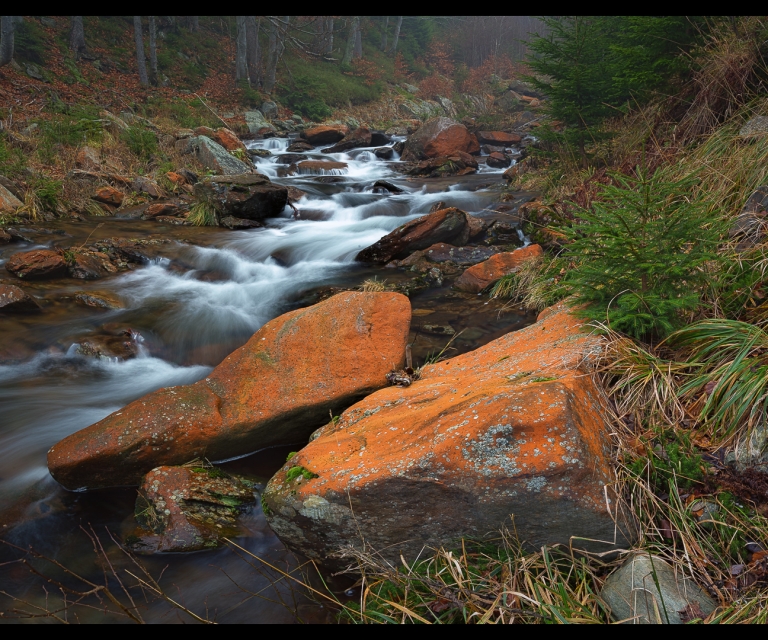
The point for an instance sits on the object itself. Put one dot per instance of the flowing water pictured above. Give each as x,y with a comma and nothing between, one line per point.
203,295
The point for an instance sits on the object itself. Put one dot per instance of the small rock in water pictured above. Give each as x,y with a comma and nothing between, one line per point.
188,508
98,300
437,329
16,300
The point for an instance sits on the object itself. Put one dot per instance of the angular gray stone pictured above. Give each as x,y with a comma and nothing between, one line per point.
632,593
256,121
212,155
755,126
269,109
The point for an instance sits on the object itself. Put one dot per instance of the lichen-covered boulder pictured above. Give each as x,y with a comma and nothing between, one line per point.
37,264
276,389
510,435
484,274
439,137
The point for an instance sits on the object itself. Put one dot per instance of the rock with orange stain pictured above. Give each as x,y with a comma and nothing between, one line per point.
481,275
439,137
276,389
227,139
510,435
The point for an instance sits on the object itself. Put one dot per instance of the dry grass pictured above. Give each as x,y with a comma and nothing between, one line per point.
374,284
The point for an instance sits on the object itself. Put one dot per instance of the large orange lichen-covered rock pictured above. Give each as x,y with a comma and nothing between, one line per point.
227,139
439,137
325,134
481,275
275,389
511,432
37,264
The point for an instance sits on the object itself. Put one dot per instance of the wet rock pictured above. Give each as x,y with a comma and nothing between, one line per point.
449,225
189,508
113,343
388,186
88,158
384,153
438,329
161,209
647,590
379,138
258,153
299,147
16,235
230,222
39,264
5,237
171,220
145,185
321,167
513,429
458,164
228,139
325,134
8,202
504,232
89,265
132,251
290,158
442,252
439,137
109,195
98,300
499,138
12,187
498,160
16,300
276,389
212,155
360,137
482,275
251,196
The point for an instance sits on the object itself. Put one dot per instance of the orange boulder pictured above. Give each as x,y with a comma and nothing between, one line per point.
109,195
512,434
479,276
228,139
37,264
439,137
500,138
275,389
325,134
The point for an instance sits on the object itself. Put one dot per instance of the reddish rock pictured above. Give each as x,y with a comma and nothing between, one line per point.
499,138
88,158
510,435
5,237
98,300
439,137
145,185
90,265
325,134
300,147
15,300
161,209
110,196
448,225
250,195
176,178
188,508
478,277
228,139
171,220
37,265
276,389
8,202
360,137
321,167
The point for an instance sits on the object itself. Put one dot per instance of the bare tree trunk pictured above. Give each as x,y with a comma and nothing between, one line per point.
358,53
141,60
272,54
153,50
194,23
7,28
77,37
351,40
253,49
328,36
241,57
396,36
384,34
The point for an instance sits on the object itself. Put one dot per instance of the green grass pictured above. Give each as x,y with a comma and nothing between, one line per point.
141,141
203,214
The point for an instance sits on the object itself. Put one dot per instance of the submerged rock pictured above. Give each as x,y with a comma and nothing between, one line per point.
188,508
276,389
513,432
98,300
449,225
16,300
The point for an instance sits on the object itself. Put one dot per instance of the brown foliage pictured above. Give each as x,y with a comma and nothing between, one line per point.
435,85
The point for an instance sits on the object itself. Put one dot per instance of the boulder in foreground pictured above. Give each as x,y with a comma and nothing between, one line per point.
439,137
276,389
513,431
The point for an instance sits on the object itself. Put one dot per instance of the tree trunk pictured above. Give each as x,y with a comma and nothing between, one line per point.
351,40
358,52
7,27
153,50
384,34
194,23
253,49
77,37
269,85
396,35
141,60
241,57
328,36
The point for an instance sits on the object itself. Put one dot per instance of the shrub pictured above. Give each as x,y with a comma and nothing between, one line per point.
140,141
640,251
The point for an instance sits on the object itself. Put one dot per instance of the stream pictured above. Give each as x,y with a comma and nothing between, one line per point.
204,294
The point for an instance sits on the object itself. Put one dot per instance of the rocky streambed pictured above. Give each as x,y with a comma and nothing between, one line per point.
208,361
